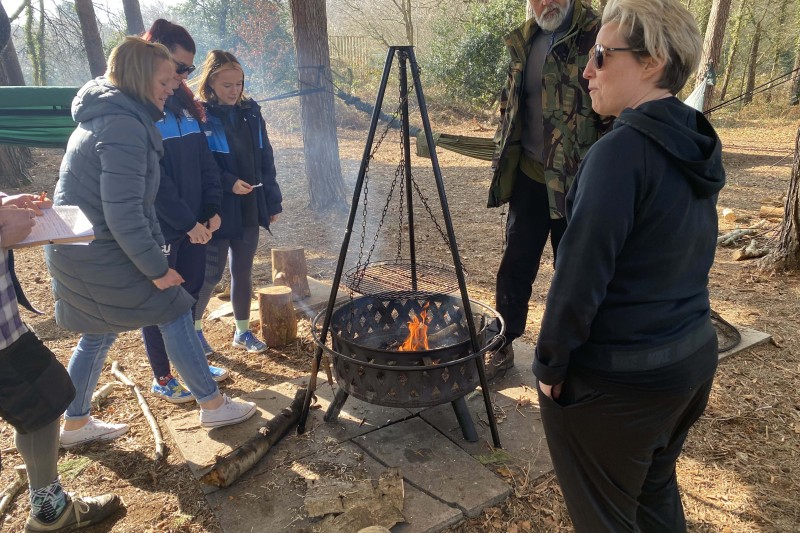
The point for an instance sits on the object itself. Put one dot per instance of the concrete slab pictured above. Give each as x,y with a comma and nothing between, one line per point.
518,421
750,338
273,500
435,465
200,447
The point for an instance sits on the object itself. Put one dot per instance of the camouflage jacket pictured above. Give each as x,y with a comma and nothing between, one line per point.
570,125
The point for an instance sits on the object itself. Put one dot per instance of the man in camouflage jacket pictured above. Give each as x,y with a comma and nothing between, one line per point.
546,127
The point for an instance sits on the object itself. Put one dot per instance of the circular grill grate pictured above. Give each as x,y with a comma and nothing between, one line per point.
395,279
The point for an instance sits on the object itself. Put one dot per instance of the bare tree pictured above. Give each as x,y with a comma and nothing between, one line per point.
320,144
14,160
712,44
733,47
751,65
133,17
778,50
786,255
91,37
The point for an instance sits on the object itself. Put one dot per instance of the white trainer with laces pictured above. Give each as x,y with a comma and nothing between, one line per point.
229,413
92,431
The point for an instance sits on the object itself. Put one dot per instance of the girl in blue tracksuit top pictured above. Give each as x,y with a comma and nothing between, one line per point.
237,136
188,202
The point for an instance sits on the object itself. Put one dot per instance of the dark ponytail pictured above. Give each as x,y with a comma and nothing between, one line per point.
171,35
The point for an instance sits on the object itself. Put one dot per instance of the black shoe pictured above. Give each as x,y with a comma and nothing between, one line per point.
499,362
79,512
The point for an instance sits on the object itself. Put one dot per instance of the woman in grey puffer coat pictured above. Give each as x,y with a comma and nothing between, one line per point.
121,280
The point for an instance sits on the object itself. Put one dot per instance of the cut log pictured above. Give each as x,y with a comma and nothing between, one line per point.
289,269
751,251
230,467
160,446
8,494
771,212
278,321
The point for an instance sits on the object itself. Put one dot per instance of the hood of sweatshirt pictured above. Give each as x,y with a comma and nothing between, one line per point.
686,136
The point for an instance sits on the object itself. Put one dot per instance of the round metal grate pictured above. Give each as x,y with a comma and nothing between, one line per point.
402,279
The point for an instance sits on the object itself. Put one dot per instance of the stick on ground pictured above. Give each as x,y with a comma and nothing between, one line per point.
103,393
8,494
229,468
161,448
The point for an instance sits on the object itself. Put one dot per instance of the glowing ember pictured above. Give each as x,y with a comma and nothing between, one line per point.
417,339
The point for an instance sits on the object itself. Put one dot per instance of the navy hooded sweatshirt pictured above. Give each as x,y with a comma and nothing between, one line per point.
632,269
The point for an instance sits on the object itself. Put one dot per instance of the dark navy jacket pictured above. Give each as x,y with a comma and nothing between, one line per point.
190,190
268,196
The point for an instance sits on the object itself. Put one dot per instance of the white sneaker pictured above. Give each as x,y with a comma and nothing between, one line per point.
93,430
229,413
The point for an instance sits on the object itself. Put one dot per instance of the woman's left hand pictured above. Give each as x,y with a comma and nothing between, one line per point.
551,391
27,201
241,187
214,223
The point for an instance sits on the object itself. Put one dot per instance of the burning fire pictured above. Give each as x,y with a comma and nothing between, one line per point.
417,339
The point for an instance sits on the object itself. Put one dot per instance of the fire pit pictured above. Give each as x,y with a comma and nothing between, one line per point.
366,335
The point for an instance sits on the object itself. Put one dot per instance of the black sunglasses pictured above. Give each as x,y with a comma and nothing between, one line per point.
183,68
599,51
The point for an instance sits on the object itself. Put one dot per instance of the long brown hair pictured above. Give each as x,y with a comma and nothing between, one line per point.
216,61
171,35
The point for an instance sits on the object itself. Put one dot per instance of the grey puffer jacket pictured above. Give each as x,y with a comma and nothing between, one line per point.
111,171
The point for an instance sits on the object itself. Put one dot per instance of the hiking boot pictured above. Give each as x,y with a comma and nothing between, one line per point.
248,341
218,373
92,431
79,512
229,413
207,349
173,391
499,362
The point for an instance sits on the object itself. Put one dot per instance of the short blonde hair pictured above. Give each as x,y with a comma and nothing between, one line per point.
133,63
216,61
666,30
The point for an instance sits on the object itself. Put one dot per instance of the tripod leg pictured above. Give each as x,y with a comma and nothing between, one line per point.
332,414
464,420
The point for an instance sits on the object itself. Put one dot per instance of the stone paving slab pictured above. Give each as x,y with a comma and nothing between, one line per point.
518,421
273,500
432,463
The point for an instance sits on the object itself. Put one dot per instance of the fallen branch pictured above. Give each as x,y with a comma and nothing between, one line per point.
732,236
751,251
8,494
161,448
230,467
103,393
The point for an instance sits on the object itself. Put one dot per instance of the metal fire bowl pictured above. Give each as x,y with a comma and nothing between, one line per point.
362,328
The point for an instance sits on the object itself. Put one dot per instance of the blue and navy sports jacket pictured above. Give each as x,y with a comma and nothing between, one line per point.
268,196
190,190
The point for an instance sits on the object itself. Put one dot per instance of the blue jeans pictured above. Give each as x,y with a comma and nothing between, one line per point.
183,349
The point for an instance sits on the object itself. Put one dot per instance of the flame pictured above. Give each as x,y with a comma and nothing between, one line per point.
417,339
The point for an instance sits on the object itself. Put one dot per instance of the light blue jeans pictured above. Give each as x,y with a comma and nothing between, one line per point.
183,349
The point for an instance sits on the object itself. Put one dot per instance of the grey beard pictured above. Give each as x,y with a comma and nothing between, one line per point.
553,23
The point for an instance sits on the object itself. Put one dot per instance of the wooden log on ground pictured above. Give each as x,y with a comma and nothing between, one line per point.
771,212
278,320
289,269
751,251
19,483
160,446
103,393
229,468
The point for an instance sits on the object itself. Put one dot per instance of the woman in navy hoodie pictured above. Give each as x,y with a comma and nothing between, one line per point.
188,201
237,136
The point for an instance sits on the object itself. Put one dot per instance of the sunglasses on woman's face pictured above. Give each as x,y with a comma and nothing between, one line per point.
598,54
183,68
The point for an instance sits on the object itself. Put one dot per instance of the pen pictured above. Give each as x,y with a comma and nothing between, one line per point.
256,185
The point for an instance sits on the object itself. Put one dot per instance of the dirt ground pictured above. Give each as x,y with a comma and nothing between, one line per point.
740,471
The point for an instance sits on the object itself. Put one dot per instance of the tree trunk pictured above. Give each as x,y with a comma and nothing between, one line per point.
91,37
752,64
776,57
408,21
317,113
133,17
734,46
712,45
787,254
794,87
14,160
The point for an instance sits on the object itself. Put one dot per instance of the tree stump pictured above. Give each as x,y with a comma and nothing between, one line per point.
278,321
289,269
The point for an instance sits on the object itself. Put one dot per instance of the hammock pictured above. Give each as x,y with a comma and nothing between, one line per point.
36,116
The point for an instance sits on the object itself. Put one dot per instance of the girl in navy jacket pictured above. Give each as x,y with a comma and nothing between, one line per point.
237,136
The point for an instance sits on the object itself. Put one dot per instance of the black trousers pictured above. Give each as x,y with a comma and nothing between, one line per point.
614,455
527,229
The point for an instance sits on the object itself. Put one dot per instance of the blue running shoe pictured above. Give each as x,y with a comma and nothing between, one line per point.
219,374
248,341
207,349
173,391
